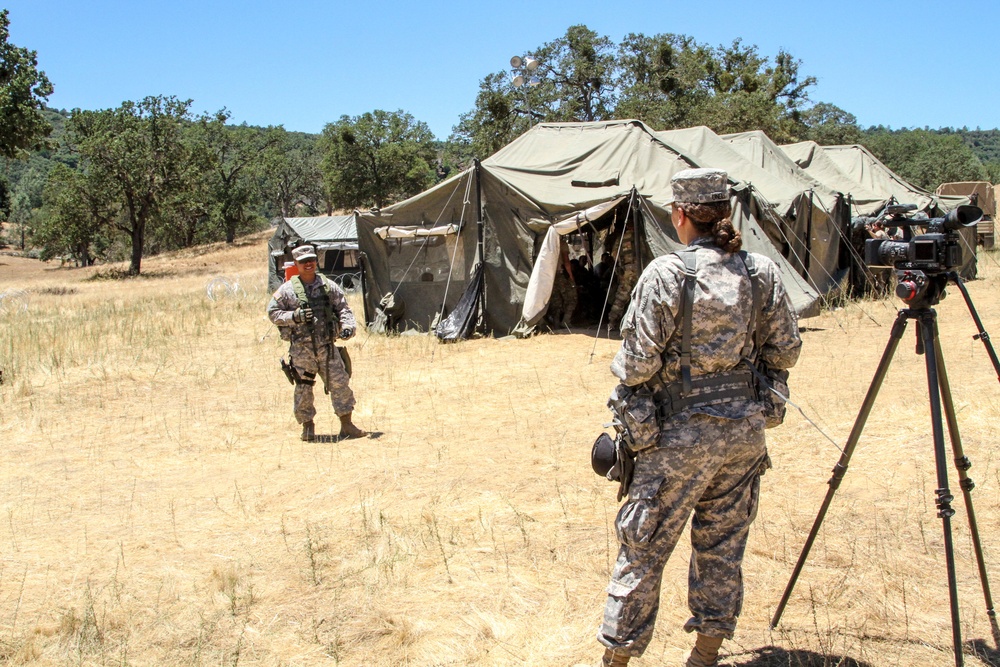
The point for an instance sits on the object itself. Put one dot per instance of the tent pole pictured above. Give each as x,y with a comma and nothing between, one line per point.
479,213
636,217
480,250
809,228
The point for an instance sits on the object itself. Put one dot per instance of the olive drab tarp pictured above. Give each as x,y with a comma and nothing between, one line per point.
503,210
816,162
334,237
816,218
800,216
983,190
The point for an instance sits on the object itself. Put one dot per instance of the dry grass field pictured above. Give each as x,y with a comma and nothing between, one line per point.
157,507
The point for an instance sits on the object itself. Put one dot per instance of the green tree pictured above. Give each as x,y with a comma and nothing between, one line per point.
496,119
137,154
234,153
829,125
925,158
23,92
26,199
376,158
664,80
76,214
288,174
751,93
576,83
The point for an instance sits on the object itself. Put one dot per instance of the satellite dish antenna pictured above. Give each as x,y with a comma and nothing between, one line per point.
518,81
516,62
531,64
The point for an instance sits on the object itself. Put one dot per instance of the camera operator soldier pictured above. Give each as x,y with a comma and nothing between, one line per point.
694,317
310,311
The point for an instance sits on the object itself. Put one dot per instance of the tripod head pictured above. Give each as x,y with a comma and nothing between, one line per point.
920,290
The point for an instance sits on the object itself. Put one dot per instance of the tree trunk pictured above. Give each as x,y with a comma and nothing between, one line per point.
138,234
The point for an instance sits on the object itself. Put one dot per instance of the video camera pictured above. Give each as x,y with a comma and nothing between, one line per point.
937,250
920,259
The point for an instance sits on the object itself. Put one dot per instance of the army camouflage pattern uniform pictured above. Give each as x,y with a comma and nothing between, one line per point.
708,460
323,360
564,298
627,276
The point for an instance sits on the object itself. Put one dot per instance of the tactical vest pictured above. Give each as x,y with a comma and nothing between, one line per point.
711,388
322,304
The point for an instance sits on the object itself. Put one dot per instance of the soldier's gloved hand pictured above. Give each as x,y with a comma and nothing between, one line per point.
346,333
302,315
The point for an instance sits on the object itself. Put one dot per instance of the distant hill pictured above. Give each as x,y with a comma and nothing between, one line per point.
984,143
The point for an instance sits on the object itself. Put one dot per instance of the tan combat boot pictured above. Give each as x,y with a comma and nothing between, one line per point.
612,659
308,432
348,429
705,652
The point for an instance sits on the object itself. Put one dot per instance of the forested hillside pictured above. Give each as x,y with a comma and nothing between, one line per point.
150,175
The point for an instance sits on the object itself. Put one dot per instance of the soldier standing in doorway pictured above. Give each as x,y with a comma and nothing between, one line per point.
628,272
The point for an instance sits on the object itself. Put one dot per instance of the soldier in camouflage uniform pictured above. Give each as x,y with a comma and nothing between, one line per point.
707,459
627,271
312,320
564,297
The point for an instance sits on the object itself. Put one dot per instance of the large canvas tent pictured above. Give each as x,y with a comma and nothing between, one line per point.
791,209
601,179
816,162
815,219
335,238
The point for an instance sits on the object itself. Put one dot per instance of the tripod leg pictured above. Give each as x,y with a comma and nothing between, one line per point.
839,470
963,464
983,335
928,330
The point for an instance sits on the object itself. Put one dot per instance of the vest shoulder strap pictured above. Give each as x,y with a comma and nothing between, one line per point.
690,259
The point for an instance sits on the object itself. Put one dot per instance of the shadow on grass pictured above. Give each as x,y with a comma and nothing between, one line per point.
374,435
774,656
990,655
123,274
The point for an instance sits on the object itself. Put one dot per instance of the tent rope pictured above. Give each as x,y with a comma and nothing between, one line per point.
437,220
614,268
454,252
769,210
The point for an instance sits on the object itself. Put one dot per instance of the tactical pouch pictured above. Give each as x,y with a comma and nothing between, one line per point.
289,371
346,358
635,409
772,392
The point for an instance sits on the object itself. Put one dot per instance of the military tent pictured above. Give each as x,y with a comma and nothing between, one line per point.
794,211
599,180
858,163
816,217
336,241
816,162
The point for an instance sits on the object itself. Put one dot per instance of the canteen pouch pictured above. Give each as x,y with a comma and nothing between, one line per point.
772,392
636,415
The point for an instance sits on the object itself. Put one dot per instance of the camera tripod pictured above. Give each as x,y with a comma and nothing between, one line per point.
929,345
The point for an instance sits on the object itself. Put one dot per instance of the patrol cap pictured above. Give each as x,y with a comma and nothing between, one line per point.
304,252
603,455
700,186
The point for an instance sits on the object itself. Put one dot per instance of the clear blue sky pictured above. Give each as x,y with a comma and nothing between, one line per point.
304,63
